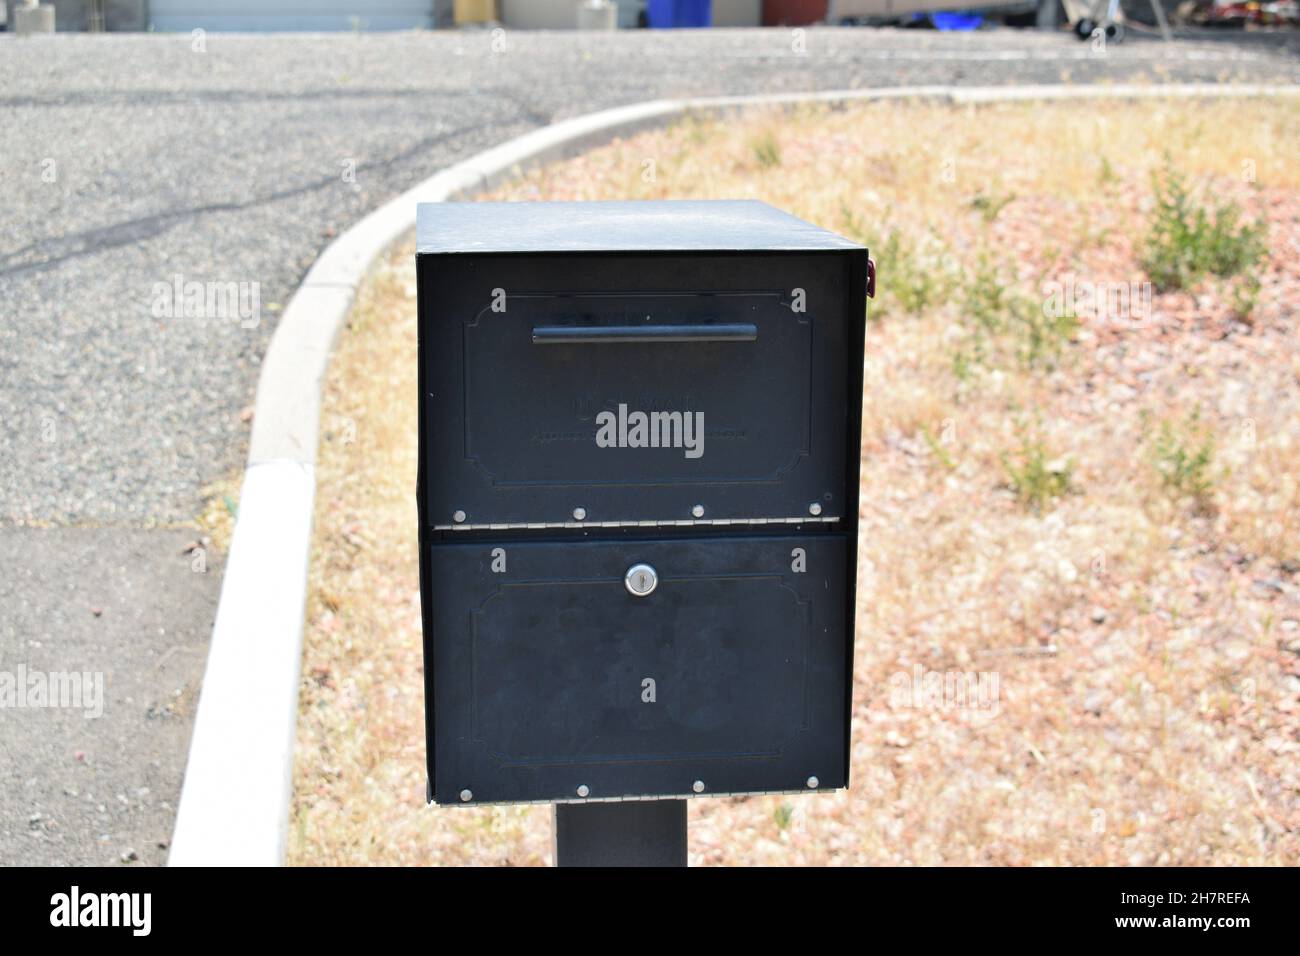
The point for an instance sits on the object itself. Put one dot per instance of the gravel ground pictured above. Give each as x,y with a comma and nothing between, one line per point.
127,161
97,781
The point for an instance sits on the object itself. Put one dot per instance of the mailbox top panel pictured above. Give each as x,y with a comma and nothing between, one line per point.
605,227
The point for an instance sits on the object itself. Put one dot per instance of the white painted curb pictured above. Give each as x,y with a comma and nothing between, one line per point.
234,805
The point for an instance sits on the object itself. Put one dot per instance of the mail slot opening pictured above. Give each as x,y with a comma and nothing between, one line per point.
647,334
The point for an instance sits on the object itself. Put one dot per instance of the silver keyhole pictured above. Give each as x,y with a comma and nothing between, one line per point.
641,580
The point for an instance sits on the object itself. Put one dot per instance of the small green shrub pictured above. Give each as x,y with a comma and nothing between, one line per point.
964,361
1183,454
1106,172
1245,296
937,449
913,277
1042,336
783,814
989,205
767,151
908,281
1185,242
986,298
1036,479
1002,314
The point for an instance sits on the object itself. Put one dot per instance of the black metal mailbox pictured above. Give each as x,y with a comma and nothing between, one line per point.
638,498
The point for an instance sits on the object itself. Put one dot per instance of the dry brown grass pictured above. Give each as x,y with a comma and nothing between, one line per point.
216,522
1146,641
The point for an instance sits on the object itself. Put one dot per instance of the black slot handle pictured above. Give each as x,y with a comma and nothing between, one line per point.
622,334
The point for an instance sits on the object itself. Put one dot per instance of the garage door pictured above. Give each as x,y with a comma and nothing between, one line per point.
311,15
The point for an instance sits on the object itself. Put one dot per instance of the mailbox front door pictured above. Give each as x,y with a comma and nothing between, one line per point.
644,667
723,400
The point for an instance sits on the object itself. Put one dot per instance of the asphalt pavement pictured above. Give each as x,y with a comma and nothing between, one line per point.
137,169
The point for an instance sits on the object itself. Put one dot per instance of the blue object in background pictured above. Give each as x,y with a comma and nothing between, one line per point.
956,21
679,13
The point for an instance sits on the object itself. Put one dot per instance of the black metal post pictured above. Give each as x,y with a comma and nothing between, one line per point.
623,833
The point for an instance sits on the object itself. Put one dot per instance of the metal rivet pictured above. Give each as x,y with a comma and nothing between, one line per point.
458,516
698,786
466,796
698,511
583,790
579,514
815,508
812,783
